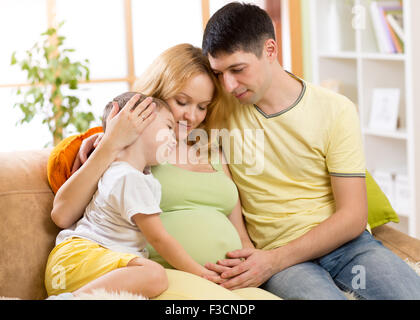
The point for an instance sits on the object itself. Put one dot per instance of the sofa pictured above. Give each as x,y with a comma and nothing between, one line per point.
27,234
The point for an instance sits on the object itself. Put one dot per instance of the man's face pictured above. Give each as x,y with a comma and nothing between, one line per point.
242,74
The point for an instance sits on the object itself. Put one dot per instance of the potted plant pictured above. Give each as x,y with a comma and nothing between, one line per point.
51,73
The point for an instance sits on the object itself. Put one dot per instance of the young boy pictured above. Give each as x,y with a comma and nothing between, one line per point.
106,247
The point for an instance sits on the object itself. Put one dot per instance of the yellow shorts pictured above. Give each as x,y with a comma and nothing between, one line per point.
76,262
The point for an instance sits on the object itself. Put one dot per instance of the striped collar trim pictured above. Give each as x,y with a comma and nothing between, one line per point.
302,93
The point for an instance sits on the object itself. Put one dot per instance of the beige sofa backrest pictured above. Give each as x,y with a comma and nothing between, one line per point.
27,233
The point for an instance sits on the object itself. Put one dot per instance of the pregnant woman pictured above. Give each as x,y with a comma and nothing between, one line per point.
200,202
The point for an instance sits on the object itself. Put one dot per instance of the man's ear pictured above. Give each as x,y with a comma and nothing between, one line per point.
271,49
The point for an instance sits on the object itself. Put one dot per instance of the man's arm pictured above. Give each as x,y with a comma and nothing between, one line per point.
348,222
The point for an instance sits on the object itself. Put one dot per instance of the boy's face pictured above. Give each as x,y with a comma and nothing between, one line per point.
243,74
159,137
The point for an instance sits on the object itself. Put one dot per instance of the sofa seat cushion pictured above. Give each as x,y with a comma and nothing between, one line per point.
187,286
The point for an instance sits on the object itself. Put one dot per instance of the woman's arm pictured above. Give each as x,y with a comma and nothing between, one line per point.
237,220
167,246
122,130
236,217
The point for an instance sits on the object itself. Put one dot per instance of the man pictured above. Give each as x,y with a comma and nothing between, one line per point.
306,212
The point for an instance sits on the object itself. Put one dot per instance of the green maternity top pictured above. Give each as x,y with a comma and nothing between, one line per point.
195,206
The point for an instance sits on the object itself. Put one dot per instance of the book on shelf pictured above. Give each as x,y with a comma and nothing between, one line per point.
398,44
391,34
396,22
388,34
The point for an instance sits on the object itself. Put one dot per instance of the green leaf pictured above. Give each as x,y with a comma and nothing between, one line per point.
14,61
24,65
73,84
58,81
49,32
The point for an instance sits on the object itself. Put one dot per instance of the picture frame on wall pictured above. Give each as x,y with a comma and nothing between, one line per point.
384,109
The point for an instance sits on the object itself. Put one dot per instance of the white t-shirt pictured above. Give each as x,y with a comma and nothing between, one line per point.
123,192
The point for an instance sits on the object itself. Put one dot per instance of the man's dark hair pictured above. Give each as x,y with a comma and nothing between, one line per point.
237,26
122,100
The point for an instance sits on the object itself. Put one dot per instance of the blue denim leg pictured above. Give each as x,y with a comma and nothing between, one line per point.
304,281
372,271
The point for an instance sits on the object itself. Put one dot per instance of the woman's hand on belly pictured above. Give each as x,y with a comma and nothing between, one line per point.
213,276
223,265
246,268
220,267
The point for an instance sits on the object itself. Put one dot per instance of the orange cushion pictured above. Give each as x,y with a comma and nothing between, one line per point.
61,159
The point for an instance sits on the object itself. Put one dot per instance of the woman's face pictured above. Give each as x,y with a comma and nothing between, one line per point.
189,106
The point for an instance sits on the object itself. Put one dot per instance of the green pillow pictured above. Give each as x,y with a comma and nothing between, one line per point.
380,210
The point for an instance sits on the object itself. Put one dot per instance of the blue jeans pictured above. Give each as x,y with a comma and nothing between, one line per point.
362,266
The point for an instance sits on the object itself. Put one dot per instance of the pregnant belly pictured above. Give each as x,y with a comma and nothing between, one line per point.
206,235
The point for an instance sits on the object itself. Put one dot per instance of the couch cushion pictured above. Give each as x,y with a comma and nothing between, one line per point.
27,233
187,286
62,157
380,210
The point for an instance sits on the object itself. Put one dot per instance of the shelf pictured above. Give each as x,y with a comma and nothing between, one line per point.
399,134
348,59
339,55
363,55
384,56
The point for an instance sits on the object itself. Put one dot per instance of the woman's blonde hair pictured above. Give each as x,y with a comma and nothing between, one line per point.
171,71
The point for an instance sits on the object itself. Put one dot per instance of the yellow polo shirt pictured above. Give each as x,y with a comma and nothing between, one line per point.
282,163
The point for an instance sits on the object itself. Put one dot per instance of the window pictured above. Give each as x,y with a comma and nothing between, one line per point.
118,48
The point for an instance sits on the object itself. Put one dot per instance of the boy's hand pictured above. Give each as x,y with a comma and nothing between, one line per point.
86,148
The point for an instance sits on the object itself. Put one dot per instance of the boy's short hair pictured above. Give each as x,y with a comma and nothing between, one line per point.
122,100
237,26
